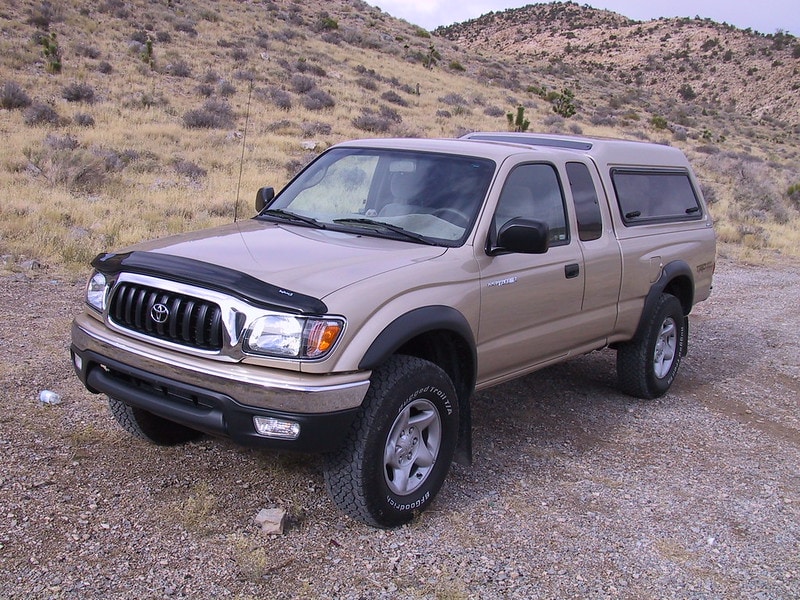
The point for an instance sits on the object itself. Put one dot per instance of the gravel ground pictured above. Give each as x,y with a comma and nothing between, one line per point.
576,491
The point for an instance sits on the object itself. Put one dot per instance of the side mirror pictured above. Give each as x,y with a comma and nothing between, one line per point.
523,236
263,197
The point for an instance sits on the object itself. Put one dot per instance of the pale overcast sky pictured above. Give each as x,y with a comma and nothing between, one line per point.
766,16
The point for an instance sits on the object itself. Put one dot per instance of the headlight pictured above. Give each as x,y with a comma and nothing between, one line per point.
292,337
96,292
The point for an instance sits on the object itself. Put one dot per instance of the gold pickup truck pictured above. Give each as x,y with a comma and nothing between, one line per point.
362,306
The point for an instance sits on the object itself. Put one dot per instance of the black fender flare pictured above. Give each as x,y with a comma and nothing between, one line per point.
414,323
418,322
669,273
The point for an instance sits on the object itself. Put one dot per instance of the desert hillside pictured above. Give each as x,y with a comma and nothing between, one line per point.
716,66
129,120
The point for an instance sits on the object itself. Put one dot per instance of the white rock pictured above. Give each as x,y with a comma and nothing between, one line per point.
271,520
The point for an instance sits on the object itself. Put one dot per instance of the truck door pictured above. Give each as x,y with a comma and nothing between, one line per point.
602,260
530,303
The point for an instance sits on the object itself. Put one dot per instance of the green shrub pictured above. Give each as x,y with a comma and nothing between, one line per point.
326,23
686,92
539,91
658,122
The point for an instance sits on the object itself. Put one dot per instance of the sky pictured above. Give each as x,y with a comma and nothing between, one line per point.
765,16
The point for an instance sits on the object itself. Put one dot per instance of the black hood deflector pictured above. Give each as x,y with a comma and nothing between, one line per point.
214,277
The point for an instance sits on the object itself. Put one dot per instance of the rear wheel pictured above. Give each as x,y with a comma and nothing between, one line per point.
647,366
150,427
401,445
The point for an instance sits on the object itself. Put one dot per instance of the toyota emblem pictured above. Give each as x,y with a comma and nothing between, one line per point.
159,313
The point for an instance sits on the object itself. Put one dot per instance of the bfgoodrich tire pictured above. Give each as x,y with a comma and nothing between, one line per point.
149,427
400,447
647,366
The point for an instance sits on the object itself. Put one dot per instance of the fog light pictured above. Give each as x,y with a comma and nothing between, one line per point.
78,361
276,428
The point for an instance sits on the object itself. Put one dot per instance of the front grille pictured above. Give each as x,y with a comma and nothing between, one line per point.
188,321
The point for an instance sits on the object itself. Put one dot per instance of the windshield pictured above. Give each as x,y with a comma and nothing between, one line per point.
420,197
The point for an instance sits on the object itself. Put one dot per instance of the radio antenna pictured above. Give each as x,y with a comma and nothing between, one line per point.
241,161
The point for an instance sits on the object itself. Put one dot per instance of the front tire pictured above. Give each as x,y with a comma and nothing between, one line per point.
150,427
647,366
400,447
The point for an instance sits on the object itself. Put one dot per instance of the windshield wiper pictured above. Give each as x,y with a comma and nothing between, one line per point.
290,216
389,227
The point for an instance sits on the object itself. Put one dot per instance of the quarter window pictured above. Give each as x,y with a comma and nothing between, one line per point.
587,205
655,196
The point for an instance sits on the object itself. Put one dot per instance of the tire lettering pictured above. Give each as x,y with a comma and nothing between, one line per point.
411,506
427,391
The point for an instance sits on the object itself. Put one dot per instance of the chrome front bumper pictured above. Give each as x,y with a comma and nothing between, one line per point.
249,385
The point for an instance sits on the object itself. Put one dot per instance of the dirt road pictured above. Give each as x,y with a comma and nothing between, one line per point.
576,492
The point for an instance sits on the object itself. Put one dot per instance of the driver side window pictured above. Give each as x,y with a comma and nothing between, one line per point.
533,192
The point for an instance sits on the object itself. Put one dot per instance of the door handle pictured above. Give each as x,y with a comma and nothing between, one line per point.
572,271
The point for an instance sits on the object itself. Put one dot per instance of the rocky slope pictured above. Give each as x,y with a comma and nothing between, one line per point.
683,60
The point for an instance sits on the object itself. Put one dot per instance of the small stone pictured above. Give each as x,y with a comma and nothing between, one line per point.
31,265
271,520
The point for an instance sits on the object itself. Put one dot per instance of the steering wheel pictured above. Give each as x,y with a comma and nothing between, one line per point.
453,215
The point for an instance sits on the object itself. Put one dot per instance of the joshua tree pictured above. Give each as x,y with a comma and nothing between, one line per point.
52,53
518,123
564,103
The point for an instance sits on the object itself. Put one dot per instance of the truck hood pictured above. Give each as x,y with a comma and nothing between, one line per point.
314,262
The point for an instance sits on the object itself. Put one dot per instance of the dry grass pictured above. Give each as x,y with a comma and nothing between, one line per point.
196,513
139,172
